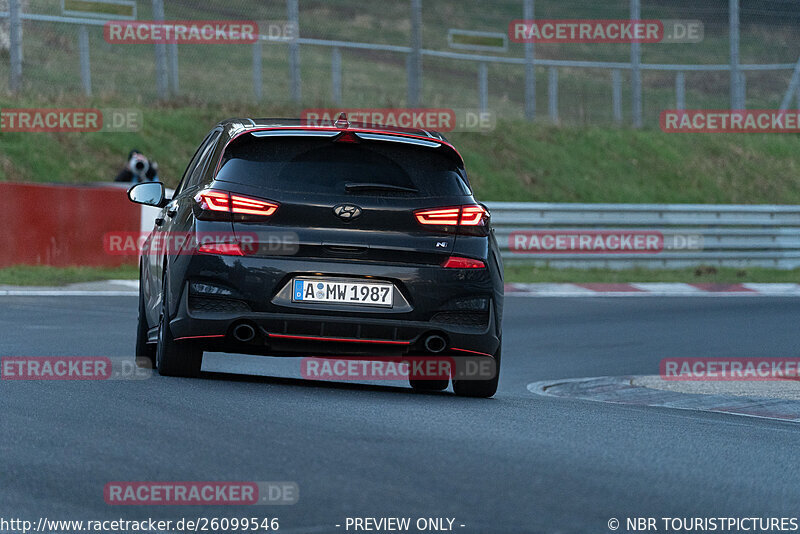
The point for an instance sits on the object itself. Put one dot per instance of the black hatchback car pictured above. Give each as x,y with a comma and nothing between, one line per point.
338,239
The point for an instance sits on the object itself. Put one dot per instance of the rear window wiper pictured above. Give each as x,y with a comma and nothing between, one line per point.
378,187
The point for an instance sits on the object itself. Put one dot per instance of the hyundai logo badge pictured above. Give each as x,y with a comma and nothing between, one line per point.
347,212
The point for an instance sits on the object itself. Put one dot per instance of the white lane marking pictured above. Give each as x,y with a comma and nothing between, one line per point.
552,288
667,287
652,289
127,283
774,288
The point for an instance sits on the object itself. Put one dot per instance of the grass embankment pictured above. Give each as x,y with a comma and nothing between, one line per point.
518,161
42,275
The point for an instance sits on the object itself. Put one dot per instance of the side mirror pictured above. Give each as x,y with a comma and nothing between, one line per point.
148,193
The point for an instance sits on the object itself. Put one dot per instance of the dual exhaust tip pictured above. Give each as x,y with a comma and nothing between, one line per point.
435,343
244,333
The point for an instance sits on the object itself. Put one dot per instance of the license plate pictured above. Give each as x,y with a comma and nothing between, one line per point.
339,292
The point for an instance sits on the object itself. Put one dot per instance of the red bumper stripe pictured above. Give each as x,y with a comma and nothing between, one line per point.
341,339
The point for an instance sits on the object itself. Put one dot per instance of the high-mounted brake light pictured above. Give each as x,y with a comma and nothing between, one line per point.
347,137
222,201
457,262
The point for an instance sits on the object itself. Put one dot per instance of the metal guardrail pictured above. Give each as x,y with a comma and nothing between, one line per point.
167,64
730,235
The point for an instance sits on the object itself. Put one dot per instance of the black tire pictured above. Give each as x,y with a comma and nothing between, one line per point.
145,352
428,385
479,388
172,358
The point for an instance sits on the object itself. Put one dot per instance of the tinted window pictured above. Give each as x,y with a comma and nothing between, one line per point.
324,166
192,165
202,164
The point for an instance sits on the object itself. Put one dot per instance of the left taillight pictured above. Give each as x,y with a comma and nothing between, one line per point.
213,202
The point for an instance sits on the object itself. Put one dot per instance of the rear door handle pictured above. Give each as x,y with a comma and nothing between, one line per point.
172,210
159,221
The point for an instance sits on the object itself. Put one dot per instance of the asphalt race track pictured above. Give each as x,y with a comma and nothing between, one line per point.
516,463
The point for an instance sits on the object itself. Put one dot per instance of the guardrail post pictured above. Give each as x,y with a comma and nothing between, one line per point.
794,87
530,67
616,95
86,69
15,51
552,93
797,103
257,75
742,90
680,91
336,75
173,68
483,86
636,72
295,87
161,55
415,57
733,23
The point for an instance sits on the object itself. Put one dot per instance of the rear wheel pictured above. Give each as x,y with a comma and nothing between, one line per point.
145,352
172,358
479,388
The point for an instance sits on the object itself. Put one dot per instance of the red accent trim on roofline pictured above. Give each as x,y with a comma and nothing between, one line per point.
331,129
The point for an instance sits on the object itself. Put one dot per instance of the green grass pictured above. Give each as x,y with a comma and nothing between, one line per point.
705,274
518,161
42,275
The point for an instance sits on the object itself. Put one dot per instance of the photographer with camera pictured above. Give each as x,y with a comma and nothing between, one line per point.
138,169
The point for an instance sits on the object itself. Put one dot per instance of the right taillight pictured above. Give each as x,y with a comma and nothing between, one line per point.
473,215
468,219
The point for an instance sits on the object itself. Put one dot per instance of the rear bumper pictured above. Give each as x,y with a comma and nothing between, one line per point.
308,333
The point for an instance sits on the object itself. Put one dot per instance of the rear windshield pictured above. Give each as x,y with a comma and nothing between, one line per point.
321,165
